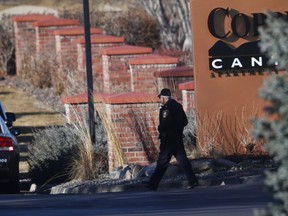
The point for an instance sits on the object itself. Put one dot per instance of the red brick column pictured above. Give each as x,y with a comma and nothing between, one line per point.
135,120
171,79
66,49
45,39
98,42
131,121
143,70
67,56
25,38
115,66
188,91
76,104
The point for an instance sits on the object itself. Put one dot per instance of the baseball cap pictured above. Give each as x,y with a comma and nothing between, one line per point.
165,92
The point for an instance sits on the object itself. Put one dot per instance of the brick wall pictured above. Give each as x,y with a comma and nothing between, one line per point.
44,30
133,119
115,66
98,42
126,81
142,70
66,50
188,91
25,38
173,77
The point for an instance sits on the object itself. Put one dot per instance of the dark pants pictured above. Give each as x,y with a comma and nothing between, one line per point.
167,150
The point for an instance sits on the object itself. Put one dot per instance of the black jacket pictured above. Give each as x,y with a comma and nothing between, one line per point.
172,120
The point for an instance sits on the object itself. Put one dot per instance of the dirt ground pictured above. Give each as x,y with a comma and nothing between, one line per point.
31,115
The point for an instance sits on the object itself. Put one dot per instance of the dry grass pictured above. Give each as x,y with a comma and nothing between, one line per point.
226,135
120,159
88,161
83,164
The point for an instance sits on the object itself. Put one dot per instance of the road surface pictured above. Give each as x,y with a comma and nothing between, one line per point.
232,200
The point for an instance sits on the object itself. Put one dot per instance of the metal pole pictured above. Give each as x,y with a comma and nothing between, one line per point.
89,69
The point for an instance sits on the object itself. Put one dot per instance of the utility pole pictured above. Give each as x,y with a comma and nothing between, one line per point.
89,70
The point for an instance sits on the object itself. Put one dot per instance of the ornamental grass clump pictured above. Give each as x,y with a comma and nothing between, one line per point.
89,160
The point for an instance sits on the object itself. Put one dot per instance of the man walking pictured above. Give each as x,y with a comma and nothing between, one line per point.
172,120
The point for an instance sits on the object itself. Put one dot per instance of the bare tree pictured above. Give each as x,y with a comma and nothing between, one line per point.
174,19
7,48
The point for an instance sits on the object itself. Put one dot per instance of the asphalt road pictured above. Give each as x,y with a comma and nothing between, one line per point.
232,200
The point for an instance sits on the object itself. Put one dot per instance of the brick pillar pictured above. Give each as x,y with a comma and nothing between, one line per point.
46,47
143,70
98,42
76,106
171,78
188,91
115,66
66,51
135,119
131,121
45,39
24,33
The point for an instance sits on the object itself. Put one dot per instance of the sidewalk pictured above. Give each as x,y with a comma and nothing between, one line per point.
207,178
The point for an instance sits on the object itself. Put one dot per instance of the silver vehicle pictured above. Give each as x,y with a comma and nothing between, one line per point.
9,153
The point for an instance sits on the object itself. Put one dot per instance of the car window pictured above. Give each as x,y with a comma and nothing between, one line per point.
2,111
3,128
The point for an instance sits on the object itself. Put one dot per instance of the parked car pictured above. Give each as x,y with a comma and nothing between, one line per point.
9,154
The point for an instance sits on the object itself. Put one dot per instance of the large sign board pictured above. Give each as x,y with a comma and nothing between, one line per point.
229,68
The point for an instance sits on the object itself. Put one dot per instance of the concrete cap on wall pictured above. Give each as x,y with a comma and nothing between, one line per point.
83,98
56,22
130,98
153,59
121,98
77,30
187,86
126,50
31,17
183,71
100,39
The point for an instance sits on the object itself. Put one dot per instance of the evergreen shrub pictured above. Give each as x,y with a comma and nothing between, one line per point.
50,153
273,127
62,153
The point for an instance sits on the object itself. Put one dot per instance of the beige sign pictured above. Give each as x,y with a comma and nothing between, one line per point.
229,69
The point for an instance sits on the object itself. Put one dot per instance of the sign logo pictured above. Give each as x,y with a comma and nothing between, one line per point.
246,56
226,58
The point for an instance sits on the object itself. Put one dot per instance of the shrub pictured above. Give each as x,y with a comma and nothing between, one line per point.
62,153
273,128
49,155
136,26
38,69
275,133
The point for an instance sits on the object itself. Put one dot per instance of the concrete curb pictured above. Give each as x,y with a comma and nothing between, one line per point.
133,185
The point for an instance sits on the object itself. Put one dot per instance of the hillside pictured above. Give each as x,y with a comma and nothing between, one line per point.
71,4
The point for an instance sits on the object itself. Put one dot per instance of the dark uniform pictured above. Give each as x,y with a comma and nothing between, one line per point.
172,120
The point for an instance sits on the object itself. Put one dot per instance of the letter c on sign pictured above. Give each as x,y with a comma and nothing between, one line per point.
214,65
214,16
